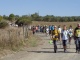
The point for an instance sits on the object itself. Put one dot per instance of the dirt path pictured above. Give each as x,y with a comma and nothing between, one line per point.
44,52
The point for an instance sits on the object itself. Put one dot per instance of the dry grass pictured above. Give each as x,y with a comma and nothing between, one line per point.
55,23
10,38
33,40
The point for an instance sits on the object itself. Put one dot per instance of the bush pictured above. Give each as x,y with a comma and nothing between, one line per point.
1,18
23,21
3,24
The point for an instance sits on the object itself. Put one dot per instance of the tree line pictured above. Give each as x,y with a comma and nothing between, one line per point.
27,19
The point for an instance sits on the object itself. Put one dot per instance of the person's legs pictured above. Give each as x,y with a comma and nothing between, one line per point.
64,45
77,44
70,40
33,32
49,32
55,45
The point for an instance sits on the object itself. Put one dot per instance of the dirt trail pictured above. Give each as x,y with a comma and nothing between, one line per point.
45,52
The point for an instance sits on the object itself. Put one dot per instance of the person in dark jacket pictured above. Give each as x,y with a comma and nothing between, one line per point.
77,37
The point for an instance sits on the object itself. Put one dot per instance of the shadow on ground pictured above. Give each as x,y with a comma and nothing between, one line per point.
58,48
49,52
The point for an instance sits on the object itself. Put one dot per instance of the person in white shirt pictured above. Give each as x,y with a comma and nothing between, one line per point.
47,31
70,30
59,29
64,35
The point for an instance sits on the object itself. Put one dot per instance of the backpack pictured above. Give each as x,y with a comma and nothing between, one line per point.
77,33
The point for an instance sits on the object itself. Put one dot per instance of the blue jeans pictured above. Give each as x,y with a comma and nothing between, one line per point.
77,42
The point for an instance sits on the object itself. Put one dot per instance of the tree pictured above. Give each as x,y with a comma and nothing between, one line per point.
70,19
1,18
5,17
66,19
11,17
3,24
58,19
23,21
17,17
48,18
35,16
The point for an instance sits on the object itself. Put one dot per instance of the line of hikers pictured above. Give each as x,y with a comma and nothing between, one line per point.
39,28
60,34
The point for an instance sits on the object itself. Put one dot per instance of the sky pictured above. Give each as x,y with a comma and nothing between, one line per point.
43,7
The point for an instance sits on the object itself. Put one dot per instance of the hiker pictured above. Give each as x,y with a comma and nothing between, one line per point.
52,27
64,36
77,37
36,29
41,29
47,31
55,36
33,29
60,29
44,29
70,30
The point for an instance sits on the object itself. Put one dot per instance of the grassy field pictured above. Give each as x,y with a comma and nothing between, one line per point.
74,24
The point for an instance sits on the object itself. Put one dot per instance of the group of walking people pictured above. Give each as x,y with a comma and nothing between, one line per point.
36,29
65,35
61,34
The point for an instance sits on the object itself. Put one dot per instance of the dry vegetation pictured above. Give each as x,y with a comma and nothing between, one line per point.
55,23
33,40
12,39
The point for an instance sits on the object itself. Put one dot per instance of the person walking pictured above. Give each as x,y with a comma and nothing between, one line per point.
70,30
55,36
47,31
33,30
60,29
64,35
77,37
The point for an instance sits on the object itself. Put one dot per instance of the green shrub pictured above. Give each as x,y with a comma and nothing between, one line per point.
23,21
3,24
